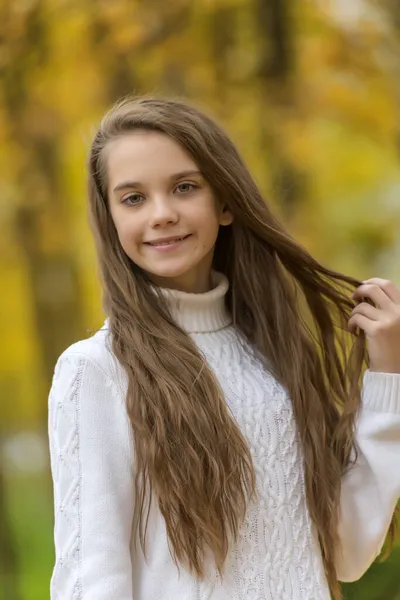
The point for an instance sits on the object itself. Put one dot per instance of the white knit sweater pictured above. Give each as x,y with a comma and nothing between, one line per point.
277,556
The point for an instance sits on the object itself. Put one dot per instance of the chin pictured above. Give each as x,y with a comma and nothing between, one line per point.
171,272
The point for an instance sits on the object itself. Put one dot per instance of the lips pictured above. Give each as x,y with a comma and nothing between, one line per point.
167,241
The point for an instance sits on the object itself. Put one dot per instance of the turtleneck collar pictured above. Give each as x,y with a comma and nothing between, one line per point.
200,313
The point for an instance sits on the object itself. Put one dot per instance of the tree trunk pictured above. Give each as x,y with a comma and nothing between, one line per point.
278,97
222,27
54,280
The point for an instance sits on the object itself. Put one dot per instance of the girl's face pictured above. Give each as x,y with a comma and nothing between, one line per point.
156,191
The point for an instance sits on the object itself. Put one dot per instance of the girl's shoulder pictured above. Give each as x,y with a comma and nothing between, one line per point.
94,350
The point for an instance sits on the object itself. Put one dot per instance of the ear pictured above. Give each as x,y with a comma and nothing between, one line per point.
225,217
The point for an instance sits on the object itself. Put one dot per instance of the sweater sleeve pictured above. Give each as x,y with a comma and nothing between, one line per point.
91,454
371,488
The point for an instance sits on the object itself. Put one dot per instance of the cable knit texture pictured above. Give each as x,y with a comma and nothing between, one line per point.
66,467
277,556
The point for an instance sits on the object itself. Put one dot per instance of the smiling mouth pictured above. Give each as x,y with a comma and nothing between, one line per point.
168,243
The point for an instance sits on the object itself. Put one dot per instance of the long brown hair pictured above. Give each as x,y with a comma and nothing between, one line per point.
292,310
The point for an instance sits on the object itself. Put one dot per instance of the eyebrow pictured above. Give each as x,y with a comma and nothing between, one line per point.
133,184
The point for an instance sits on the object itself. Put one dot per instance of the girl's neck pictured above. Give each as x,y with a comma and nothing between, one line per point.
200,313
192,283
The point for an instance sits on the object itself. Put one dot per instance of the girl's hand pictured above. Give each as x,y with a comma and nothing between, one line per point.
381,323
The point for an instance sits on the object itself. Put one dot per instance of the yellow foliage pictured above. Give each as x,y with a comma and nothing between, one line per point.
335,121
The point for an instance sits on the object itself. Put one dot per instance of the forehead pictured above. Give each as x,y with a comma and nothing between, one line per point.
145,156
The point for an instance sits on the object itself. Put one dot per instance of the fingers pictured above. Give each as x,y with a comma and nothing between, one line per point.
367,310
363,322
373,292
363,315
387,286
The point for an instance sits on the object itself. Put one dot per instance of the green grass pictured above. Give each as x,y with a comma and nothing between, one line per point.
30,507
381,581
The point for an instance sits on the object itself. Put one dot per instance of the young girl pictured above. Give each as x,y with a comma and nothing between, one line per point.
207,442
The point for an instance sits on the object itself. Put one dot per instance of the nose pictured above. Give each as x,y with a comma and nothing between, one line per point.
163,212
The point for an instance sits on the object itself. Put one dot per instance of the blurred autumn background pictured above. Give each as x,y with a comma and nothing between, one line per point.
310,92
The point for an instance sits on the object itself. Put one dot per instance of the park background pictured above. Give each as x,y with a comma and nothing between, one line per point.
310,92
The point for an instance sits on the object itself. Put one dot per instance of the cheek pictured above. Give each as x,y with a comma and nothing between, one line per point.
129,239
209,231
128,231
210,223
207,217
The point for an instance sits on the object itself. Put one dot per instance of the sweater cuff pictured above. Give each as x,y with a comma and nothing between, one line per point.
381,392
